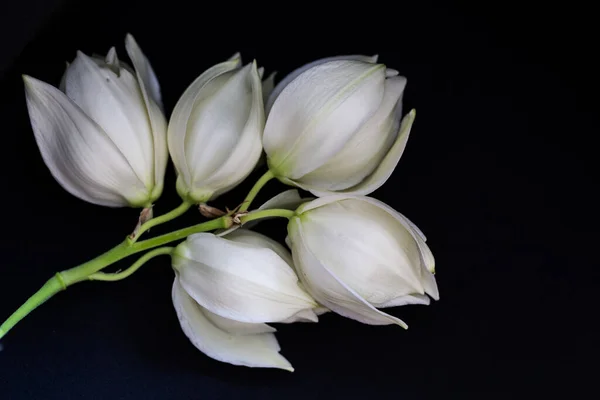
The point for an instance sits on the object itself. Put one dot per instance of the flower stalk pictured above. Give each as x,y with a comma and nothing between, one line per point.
83,272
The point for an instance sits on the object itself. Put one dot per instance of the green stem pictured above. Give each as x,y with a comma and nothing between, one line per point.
225,222
101,276
262,181
162,219
276,212
80,273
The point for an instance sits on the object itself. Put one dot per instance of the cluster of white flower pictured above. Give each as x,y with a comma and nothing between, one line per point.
333,128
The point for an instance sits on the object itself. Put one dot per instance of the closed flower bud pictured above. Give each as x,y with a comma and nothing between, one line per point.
355,254
103,134
227,288
215,130
243,276
333,126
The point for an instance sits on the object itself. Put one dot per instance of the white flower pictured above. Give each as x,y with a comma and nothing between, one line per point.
355,254
243,276
334,126
227,288
104,138
216,129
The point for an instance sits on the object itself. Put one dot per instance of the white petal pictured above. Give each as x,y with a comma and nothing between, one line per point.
115,103
144,70
321,310
318,112
406,300
237,57
365,248
389,163
80,156
151,93
178,124
259,350
328,289
294,74
302,316
363,153
268,85
430,284
112,60
259,241
237,112
427,257
239,281
236,327
63,80
289,200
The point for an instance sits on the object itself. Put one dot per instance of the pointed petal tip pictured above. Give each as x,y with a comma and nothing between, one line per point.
235,57
283,364
402,324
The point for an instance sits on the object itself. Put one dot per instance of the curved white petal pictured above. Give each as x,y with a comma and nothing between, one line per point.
79,154
239,281
389,163
144,70
295,73
365,248
302,316
63,80
259,241
318,112
114,102
426,254
289,200
363,153
151,93
237,57
239,120
430,284
258,350
112,60
406,300
178,124
268,85
236,327
327,288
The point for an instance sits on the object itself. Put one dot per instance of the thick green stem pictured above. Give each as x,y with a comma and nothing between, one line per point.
276,212
162,219
81,273
101,276
262,181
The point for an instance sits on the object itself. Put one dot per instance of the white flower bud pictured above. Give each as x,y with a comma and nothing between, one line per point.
243,276
215,130
227,288
104,138
334,126
355,254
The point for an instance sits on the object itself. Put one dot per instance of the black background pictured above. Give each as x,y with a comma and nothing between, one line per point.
497,173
